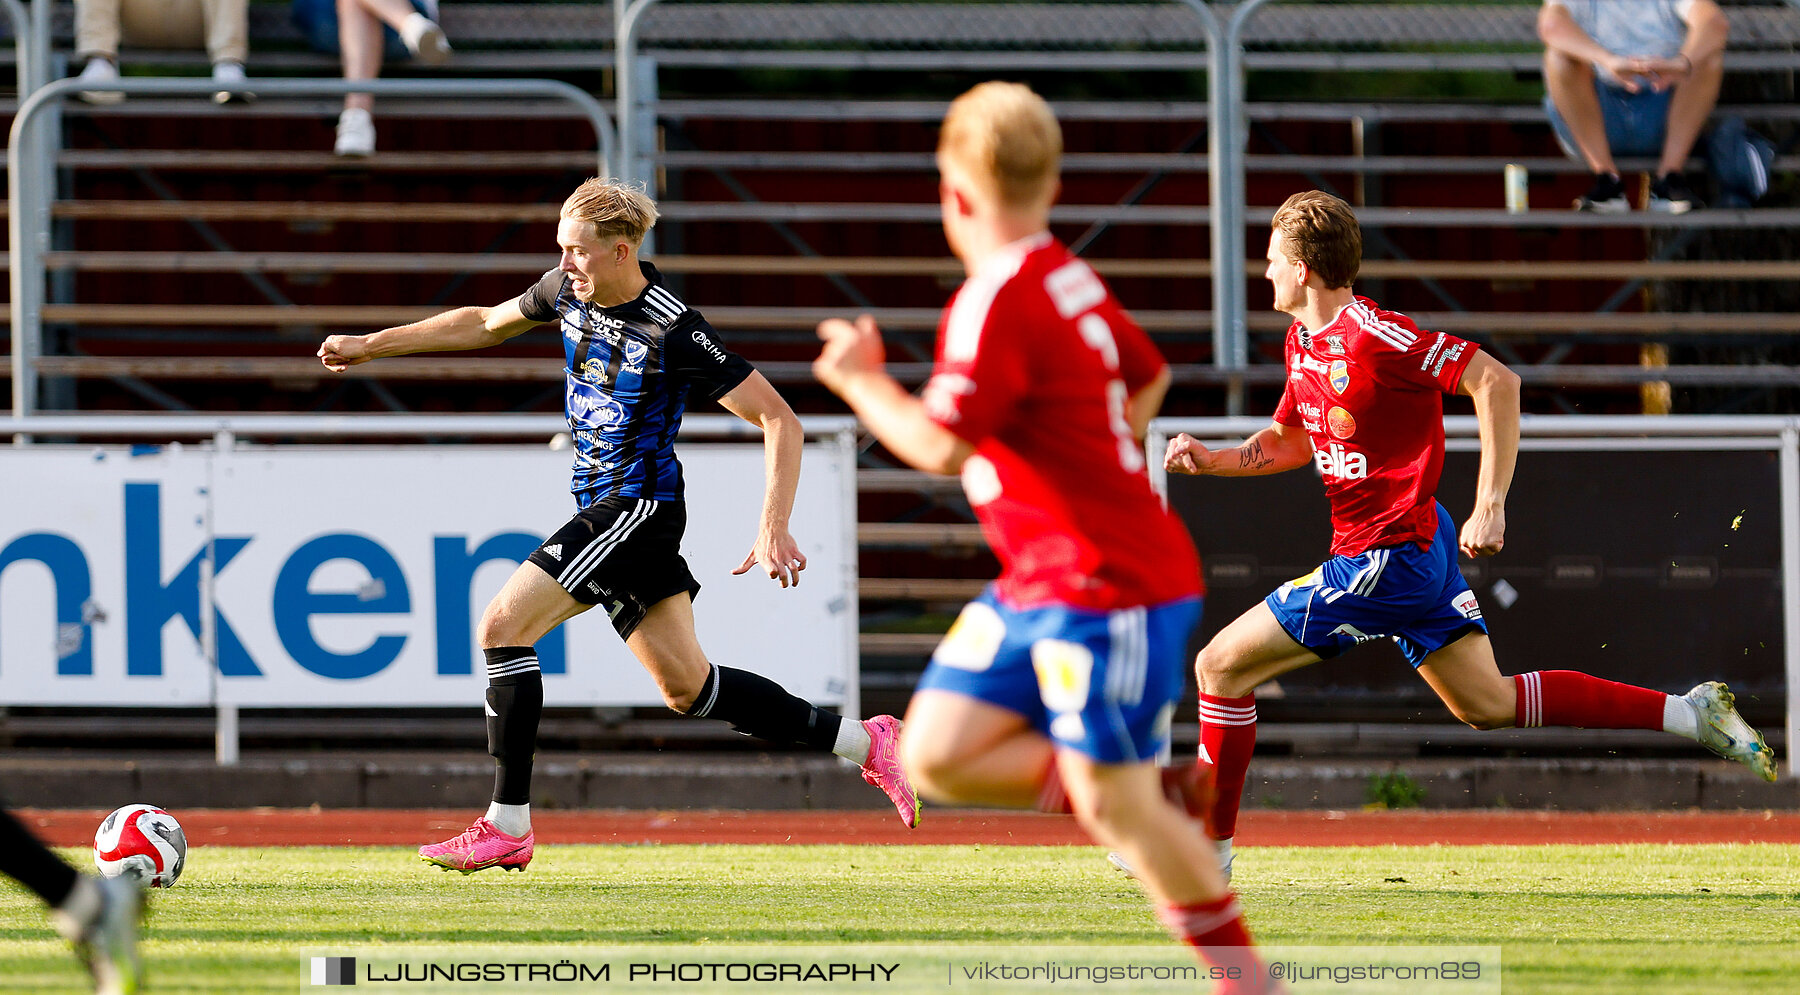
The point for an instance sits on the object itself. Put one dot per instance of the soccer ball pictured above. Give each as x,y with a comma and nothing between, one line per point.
142,841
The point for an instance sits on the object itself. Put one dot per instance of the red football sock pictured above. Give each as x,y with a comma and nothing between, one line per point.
1227,739
1571,698
1217,929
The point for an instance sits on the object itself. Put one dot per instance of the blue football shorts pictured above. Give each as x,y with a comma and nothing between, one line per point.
1416,597
1104,684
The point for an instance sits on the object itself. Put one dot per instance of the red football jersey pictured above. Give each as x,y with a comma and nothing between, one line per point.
1035,361
1369,389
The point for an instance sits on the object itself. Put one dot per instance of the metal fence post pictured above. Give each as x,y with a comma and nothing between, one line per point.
625,89
1790,582
1231,337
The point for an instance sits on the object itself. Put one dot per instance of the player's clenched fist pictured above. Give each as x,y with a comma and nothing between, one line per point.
340,352
1185,455
850,349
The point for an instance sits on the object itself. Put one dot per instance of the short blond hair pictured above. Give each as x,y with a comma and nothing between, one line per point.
1321,231
1007,140
614,209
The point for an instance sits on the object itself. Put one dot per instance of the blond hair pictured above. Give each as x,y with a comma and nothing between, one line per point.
1007,140
614,209
1321,231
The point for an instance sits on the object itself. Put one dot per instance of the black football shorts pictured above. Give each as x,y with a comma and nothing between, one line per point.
621,554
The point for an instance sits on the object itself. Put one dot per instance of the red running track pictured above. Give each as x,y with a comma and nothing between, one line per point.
388,827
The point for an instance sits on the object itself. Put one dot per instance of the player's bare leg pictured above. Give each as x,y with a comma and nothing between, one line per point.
961,750
1123,806
1465,675
665,643
1253,650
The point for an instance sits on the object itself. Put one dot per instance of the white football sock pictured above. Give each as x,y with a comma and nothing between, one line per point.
513,820
853,743
1680,718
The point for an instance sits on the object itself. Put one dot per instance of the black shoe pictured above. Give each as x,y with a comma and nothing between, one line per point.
1606,196
1671,194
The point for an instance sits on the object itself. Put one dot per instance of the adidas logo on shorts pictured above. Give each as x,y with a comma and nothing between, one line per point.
554,552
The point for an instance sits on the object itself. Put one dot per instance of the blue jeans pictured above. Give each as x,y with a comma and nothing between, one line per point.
1637,123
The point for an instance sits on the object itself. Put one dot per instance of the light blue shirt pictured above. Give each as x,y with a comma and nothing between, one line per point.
1650,28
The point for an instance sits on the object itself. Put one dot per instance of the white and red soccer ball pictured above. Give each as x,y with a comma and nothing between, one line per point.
142,841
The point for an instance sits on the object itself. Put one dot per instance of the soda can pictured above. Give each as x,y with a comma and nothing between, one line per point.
1518,200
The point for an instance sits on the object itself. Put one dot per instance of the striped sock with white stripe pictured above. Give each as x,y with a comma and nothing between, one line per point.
515,702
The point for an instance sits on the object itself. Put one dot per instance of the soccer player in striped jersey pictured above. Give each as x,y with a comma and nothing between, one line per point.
1055,687
635,353
1364,403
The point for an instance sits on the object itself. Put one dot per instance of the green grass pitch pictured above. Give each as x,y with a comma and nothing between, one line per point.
1575,919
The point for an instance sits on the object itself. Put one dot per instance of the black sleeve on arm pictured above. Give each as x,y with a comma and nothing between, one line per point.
539,303
692,349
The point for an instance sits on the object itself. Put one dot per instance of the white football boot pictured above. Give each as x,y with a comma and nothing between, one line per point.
1724,731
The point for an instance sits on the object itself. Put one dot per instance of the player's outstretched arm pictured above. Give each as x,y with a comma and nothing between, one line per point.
450,331
1275,449
852,367
1495,390
758,402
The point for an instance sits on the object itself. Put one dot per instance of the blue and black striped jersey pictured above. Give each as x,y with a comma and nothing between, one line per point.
629,370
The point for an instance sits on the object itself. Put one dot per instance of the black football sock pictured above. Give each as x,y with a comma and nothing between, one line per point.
515,702
757,706
25,859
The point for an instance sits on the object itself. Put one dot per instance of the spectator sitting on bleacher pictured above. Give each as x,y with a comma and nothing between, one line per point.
1639,78
363,32
222,27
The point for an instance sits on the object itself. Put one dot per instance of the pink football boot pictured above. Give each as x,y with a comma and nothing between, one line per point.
884,771
479,847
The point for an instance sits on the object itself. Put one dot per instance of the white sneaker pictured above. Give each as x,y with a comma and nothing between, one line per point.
1226,856
101,920
355,133
1724,731
229,76
100,72
425,40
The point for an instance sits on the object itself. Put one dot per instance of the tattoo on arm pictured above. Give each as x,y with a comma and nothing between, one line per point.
1251,457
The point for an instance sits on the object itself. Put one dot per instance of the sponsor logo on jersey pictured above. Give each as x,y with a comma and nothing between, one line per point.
1074,288
1449,355
1340,463
634,353
1302,363
594,370
588,408
1334,343
594,587
554,551
1343,424
705,342
1467,605
1340,375
1305,337
1311,410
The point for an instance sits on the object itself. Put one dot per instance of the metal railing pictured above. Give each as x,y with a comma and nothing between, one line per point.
29,221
